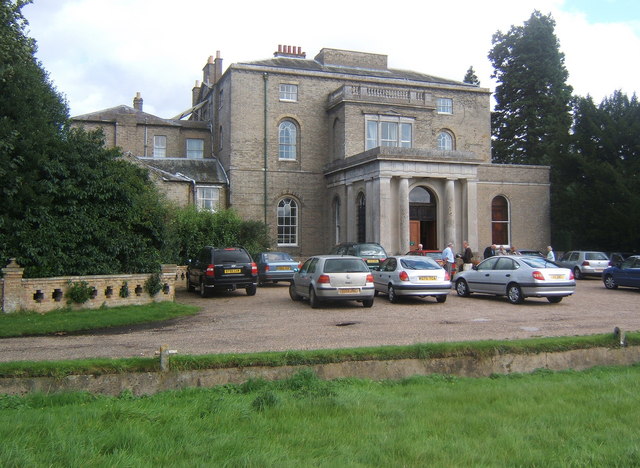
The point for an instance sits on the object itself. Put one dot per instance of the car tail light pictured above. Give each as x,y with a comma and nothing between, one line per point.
266,268
538,275
404,276
571,275
211,270
324,279
585,263
369,278
447,277
254,269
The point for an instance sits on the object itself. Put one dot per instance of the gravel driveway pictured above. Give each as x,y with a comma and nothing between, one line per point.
271,321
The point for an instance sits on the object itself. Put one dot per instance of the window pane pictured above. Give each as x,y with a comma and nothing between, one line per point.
288,92
287,134
388,134
287,222
207,198
372,134
405,135
445,106
445,142
159,146
195,148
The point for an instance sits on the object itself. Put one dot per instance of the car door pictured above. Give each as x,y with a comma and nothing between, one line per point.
503,274
382,277
304,277
628,274
479,280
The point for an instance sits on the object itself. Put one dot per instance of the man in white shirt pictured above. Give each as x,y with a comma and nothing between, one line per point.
448,258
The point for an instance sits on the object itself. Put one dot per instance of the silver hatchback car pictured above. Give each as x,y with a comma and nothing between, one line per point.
412,275
333,277
584,263
517,277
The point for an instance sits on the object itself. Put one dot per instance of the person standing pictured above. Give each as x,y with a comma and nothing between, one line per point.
467,256
448,258
490,251
550,255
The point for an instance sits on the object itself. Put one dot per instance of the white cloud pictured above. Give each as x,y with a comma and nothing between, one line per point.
101,53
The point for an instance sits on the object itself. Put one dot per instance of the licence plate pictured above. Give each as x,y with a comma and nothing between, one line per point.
232,270
557,276
283,268
372,261
349,291
427,278
599,269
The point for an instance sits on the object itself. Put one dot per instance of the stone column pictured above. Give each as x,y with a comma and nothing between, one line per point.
403,216
12,288
384,210
371,199
449,213
472,214
350,210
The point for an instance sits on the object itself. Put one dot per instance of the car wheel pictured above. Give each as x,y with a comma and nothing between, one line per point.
441,298
367,303
462,288
203,291
190,286
251,290
514,294
292,293
554,299
314,302
609,282
391,292
577,273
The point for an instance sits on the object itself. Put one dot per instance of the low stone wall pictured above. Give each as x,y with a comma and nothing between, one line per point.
47,294
152,382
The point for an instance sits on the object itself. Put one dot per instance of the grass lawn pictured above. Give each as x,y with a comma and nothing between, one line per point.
546,419
71,321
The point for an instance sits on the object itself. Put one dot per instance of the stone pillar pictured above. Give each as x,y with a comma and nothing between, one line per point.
403,216
350,209
371,199
384,210
12,287
449,213
472,214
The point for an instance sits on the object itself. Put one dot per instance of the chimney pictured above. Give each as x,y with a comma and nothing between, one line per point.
195,93
208,72
217,65
290,52
137,102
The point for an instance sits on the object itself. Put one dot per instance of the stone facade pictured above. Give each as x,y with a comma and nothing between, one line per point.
344,148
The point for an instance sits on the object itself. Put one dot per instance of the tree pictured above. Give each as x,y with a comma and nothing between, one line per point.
531,118
471,77
69,206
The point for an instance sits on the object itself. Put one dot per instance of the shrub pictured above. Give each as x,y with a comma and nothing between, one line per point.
78,293
154,284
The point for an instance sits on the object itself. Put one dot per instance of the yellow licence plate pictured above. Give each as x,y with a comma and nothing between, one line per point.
369,260
283,268
427,278
557,276
349,291
232,270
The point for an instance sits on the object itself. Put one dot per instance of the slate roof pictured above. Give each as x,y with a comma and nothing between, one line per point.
203,171
114,113
389,73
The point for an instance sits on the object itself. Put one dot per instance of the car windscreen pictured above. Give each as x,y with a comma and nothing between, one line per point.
278,257
419,264
371,249
595,256
539,262
345,265
231,256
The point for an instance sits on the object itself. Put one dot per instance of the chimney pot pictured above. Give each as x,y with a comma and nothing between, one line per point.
137,102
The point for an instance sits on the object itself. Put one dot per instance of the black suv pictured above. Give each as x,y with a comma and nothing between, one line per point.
224,268
372,253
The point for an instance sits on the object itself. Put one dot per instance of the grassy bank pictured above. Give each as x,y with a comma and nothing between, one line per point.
284,358
74,321
566,419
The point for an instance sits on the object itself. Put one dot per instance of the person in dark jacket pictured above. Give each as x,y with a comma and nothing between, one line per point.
467,255
490,251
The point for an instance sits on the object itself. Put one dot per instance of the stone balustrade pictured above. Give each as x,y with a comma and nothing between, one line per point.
46,294
380,94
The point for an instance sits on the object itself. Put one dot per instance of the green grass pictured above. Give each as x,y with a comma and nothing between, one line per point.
545,419
72,321
323,356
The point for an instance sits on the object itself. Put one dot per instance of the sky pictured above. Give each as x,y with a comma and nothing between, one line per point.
99,53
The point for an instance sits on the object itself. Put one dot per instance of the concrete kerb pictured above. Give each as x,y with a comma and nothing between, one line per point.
152,382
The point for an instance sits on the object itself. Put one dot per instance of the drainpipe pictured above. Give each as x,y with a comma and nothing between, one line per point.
265,77
193,185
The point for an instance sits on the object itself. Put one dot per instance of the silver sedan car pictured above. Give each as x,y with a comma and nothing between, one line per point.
517,277
412,275
333,277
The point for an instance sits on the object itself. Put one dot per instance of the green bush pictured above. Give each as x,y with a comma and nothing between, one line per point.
154,284
124,290
78,293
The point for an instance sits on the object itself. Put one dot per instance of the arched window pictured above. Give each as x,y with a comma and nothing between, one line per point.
288,140
287,222
361,207
500,225
445,141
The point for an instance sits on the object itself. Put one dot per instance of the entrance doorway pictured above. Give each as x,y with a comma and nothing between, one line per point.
422,219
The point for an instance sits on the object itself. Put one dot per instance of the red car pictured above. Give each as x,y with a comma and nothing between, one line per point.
436,255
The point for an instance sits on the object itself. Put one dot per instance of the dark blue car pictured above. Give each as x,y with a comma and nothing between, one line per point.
626,273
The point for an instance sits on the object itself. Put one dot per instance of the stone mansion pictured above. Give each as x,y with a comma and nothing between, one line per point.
338,148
